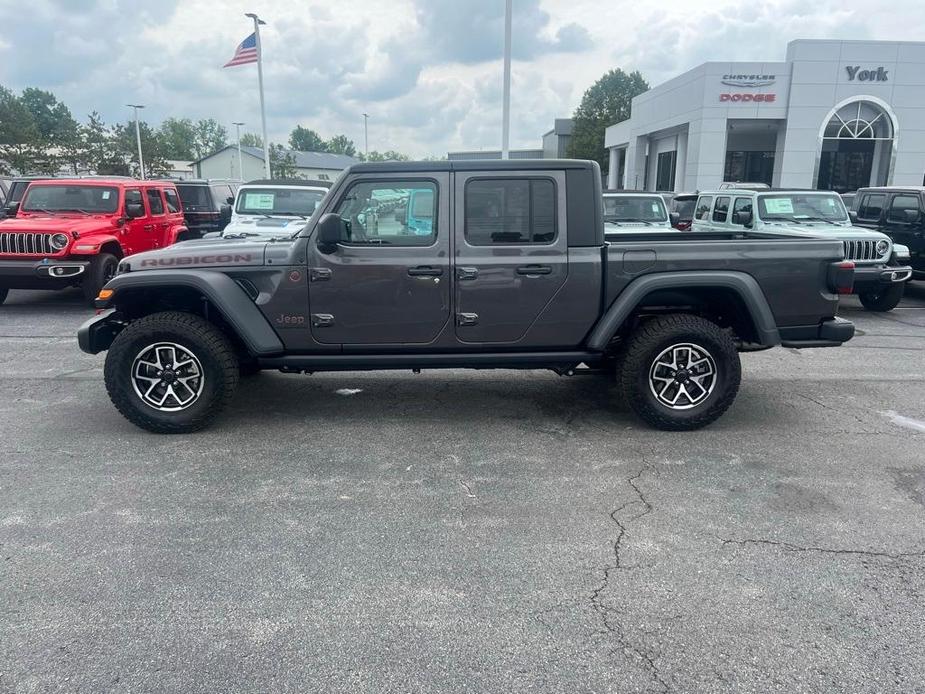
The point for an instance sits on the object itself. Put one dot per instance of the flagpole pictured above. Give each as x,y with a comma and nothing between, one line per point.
263,110
506,88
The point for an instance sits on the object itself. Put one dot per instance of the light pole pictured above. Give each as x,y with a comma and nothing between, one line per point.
141,161
237,128
263,109
506,104
366,133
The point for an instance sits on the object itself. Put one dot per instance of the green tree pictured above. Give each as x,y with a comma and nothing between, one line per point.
340,144
96,149
178,135
606,102
282,162
152,148
306,140
390,155
211,136
251,140
20,140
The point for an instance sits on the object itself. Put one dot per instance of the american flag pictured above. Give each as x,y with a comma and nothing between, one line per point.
245,53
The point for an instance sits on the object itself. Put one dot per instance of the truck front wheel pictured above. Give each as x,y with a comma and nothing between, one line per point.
885,299
679,372
171,372
101,269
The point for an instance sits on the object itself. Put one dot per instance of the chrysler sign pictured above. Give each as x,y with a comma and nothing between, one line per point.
748,81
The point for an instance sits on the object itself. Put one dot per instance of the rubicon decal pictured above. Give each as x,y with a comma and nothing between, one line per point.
224,259
760,98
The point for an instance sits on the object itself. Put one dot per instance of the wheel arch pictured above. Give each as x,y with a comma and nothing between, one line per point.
736,296
213,295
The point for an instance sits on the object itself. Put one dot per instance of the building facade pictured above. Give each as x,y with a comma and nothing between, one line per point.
313,165
555,146
835,115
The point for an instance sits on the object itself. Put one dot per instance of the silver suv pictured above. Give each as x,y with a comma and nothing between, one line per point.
881,267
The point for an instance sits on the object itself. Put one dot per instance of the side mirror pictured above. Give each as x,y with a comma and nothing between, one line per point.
229,200
911,216
12,208
224,213
332,229
674,218
742,218
133,210
853,216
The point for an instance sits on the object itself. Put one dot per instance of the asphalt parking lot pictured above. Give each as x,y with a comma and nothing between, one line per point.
457,531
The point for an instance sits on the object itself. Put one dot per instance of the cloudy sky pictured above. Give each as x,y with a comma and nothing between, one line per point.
427,71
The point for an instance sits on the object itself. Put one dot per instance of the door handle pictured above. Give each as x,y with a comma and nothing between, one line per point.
148,227
322,320
534,270
319,274
425,271
467,273
467,319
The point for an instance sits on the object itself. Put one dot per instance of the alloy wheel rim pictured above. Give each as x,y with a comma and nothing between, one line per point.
167,377
682,376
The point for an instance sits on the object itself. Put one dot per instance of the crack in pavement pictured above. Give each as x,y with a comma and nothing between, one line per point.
790,547
609,615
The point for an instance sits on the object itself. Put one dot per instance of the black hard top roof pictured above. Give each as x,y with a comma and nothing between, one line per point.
470,165
288,182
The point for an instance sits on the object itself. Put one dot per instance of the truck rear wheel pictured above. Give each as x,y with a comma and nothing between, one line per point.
171,373
102,268
679,372
885,299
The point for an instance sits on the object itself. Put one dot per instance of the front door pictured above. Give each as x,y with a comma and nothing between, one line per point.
389,283
511,252
133,237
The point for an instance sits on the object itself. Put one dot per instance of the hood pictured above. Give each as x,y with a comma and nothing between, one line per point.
842,232
53,224
272,226
208,253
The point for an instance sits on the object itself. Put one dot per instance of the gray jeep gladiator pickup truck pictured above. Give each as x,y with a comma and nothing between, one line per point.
495,264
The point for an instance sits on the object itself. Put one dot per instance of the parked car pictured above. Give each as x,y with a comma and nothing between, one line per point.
274,207
73,232
624,210
882,268
17,187
683,206
898,212
515,273
207,204
741,185
5,183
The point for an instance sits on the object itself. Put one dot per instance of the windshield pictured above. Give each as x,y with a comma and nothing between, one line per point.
196,198
685,208
66,198
634,208
281,201
799,207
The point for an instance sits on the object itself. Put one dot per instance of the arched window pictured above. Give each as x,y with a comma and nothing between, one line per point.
859,120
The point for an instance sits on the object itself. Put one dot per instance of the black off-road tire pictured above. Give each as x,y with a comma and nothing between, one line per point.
642,349
885,299
102,268
200,338
3,294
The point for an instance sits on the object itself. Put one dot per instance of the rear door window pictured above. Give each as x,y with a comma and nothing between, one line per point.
904,209
721,210
871,206
222,193
155,204
196,198
503,211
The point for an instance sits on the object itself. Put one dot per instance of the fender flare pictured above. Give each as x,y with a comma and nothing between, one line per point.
174,233
99,241
744,285
235,306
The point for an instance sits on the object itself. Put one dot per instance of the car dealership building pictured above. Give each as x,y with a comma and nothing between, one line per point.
834,115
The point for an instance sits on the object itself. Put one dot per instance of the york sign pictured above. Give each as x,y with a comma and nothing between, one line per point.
856,73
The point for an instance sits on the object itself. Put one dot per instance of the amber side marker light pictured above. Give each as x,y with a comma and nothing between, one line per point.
104,294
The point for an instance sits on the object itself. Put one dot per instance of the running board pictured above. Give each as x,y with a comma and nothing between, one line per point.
472,360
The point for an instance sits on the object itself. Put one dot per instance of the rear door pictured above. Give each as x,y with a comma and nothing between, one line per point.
159,223
388,283
511,251
903,219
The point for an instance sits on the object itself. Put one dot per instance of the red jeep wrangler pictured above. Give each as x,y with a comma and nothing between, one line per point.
73,232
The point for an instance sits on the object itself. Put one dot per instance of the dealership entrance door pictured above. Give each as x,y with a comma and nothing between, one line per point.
857,147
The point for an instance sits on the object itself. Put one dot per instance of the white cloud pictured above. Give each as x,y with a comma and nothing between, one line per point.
427,71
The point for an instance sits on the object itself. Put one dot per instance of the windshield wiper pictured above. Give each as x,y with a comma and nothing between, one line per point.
240,235
820,219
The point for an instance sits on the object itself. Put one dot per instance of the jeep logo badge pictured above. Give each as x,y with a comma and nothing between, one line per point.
856,73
